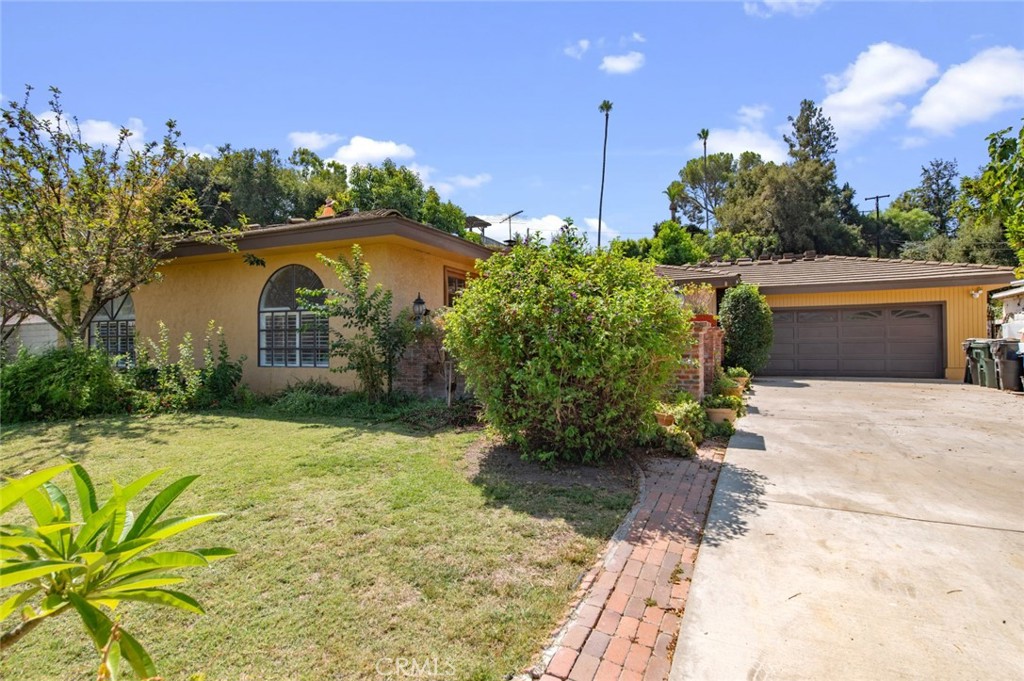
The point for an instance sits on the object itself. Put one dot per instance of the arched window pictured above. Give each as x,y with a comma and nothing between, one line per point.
112,329
291,336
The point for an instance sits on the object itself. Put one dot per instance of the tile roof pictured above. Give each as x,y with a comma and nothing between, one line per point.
682,274
823,273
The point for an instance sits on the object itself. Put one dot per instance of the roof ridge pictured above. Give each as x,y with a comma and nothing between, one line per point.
911,261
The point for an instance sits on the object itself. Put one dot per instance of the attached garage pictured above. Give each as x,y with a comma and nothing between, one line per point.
865,317
903,341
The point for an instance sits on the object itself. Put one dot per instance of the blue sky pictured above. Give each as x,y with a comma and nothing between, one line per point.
496,103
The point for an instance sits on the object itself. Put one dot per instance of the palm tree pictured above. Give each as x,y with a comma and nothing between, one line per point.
676,193
703,137
605,108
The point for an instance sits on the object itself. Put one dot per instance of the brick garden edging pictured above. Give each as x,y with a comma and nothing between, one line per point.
625,623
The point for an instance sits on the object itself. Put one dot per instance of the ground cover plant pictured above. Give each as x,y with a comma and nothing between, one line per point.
567,350
358,543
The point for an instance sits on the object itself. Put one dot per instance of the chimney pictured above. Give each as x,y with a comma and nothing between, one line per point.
328,210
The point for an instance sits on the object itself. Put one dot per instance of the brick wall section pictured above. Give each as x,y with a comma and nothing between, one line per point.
713,352
701,359
421,373
691,375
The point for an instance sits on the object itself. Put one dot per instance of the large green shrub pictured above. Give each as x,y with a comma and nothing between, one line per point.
747,321
61,383
567,350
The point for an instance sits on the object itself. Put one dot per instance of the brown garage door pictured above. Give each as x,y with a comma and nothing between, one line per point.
897,341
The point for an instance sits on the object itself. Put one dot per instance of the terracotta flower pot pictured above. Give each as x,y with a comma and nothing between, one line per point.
665,420
721,415
709,318
734,392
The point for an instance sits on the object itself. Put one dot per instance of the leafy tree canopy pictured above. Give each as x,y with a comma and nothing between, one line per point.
80,225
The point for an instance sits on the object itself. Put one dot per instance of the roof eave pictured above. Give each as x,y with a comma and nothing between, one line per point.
994,278
338,229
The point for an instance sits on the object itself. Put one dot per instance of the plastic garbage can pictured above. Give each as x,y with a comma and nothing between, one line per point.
982,354
1007,362
970,368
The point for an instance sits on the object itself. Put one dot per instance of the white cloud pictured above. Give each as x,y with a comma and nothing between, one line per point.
912,142
638,38
466,182
205,151
749,136
607,233
751,116
314,141
767,8
990,82
424,172
100,132
365,150
623,63
577,49
447,186
547,225
867,93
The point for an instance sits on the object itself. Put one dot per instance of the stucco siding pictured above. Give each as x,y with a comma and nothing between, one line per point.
192,291
964,316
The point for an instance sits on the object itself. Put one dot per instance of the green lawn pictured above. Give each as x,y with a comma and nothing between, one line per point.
358,544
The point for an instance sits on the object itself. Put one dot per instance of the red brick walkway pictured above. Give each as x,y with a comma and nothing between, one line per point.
626,625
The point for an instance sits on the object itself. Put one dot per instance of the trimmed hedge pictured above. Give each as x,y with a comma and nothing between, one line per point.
747,321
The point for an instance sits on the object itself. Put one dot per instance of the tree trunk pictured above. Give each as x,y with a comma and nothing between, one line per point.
604,160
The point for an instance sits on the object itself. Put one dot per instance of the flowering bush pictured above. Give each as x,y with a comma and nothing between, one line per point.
567,350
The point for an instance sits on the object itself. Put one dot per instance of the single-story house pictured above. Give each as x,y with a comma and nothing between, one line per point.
852,316
257,305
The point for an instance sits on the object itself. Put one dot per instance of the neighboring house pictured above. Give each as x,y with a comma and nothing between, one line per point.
33,333
257,307
1011,325
849,316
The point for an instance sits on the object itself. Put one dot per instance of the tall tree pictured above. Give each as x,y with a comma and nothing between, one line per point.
813,137
81,226
938,193
705,182
675,246
606,108
676,193
387,186
703,137
446,216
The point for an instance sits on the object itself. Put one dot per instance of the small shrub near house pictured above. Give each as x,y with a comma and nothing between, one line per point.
567,350
77,381
747,321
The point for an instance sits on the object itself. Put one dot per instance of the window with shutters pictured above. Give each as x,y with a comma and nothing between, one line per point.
290,334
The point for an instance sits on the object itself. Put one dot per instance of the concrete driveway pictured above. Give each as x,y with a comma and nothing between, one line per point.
864,530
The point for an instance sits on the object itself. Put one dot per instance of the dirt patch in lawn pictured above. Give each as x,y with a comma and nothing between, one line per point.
487,459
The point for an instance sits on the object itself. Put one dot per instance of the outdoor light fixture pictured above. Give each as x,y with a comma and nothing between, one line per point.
419,308
976,293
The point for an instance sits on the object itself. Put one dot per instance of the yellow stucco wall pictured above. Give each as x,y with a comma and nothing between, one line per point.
964,316
224,288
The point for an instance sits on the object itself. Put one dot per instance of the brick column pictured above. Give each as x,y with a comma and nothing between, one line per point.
691,374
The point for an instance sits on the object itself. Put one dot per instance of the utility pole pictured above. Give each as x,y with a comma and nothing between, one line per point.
878,223
509,218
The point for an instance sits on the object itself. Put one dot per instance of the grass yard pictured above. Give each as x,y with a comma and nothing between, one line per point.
358,544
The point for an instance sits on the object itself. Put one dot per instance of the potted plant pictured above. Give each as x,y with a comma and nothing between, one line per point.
740,375
724,385
721,408
700,299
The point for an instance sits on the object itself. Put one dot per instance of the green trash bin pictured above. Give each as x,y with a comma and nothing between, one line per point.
1007,362
982,355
